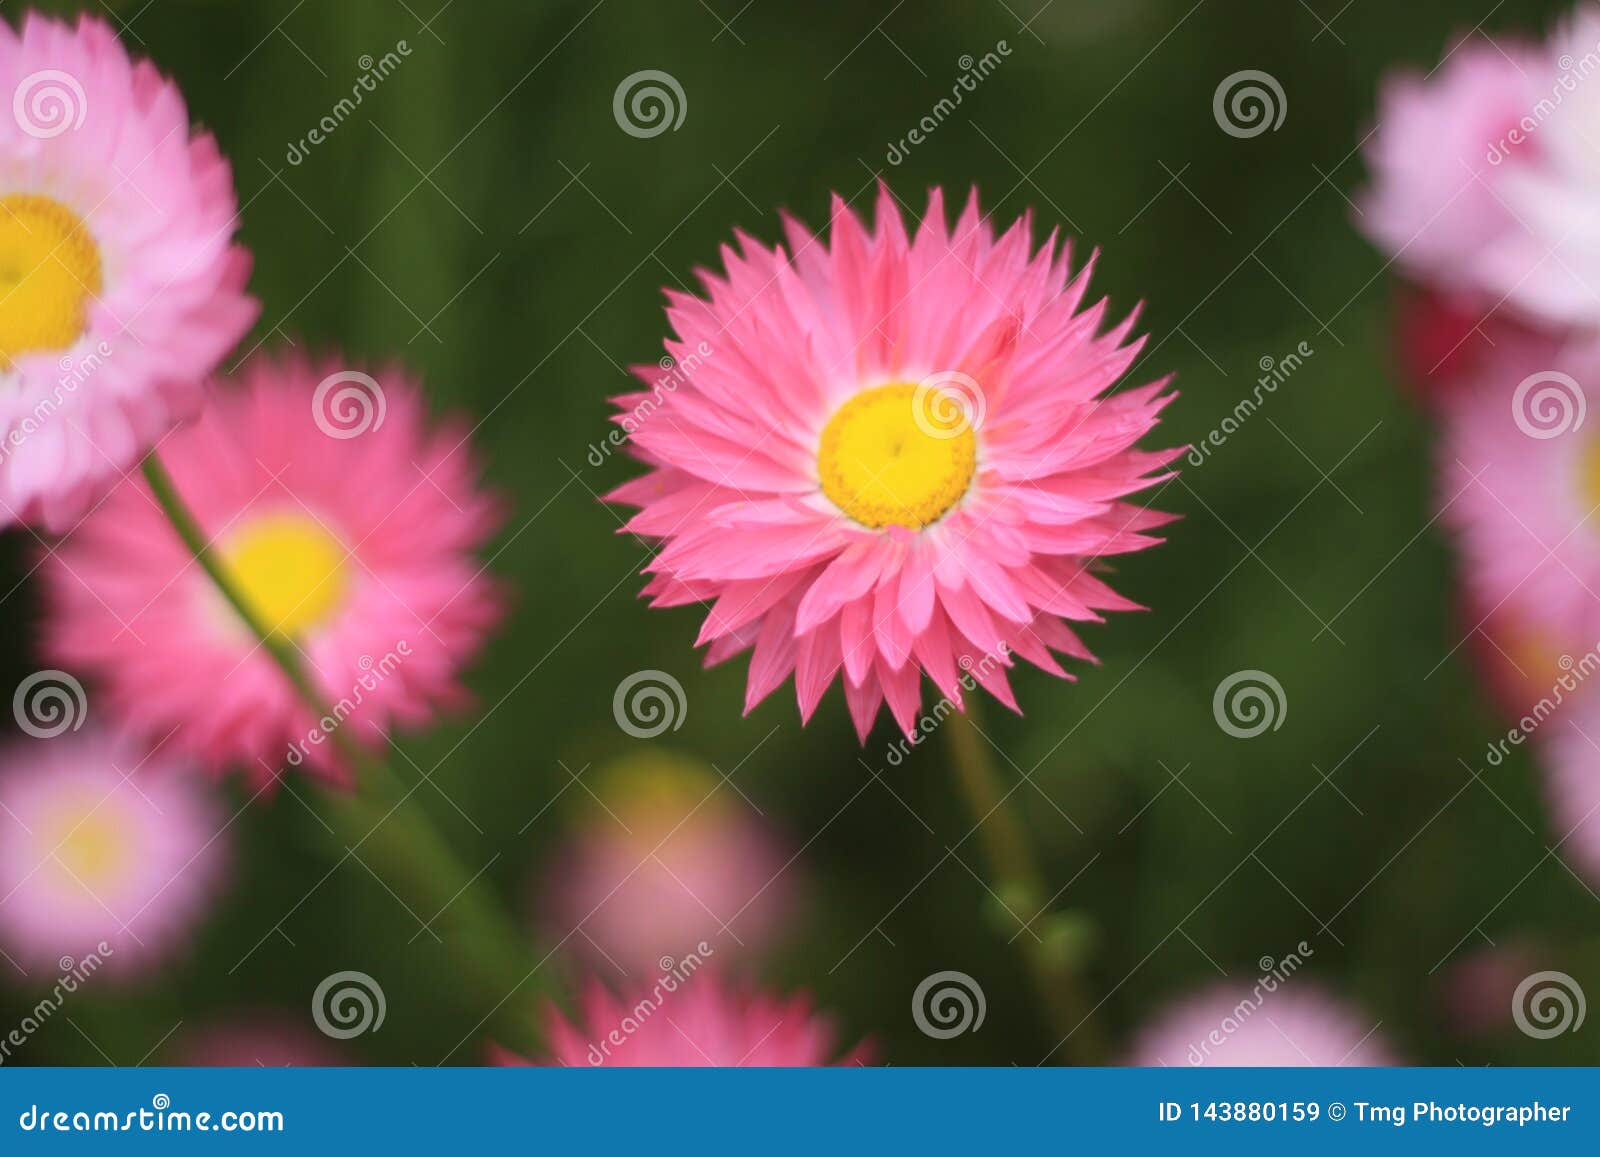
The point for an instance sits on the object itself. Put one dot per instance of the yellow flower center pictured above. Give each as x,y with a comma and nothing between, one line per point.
91,845
892,456
289,570
49,272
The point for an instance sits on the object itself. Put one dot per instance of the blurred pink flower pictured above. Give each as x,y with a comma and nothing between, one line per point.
890,455
257,1040
703,1021
350,526
669,858
1571,764
107,853
122,287
1519,485
1440,158
1476,990
1443,342
1485,179
1230,1025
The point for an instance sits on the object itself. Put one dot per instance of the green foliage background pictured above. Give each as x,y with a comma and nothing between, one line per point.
482,217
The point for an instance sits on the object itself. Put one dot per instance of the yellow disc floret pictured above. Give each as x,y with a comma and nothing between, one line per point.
91,845
49,273
290,571
891,456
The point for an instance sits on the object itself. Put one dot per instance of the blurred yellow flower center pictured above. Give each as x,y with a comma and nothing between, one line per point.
92,847
890,457
289,569
49,272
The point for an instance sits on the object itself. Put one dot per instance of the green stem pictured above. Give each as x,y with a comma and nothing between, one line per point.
373,821
1053,946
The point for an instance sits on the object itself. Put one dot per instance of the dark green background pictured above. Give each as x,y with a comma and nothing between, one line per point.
450,196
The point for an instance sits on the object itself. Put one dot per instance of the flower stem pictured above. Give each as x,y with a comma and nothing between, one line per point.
1054,946
373,820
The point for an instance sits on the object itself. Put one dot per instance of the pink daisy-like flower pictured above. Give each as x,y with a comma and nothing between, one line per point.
664,861
1549,267
1230,1026
108,855
1520,487
693,1021
888,455
355,542
122,288
1440,158
1571,762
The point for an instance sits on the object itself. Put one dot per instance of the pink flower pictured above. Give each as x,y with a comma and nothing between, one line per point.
700,1021
1440,157
108,855
1571,760
1234,1026
886,455
258,1040
1550,267
666,860
121,284
354,542
1484,177
1520,487
1443,342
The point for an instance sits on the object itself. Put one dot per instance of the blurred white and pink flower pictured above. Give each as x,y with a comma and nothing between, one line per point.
1229,1025
106,850
666,856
